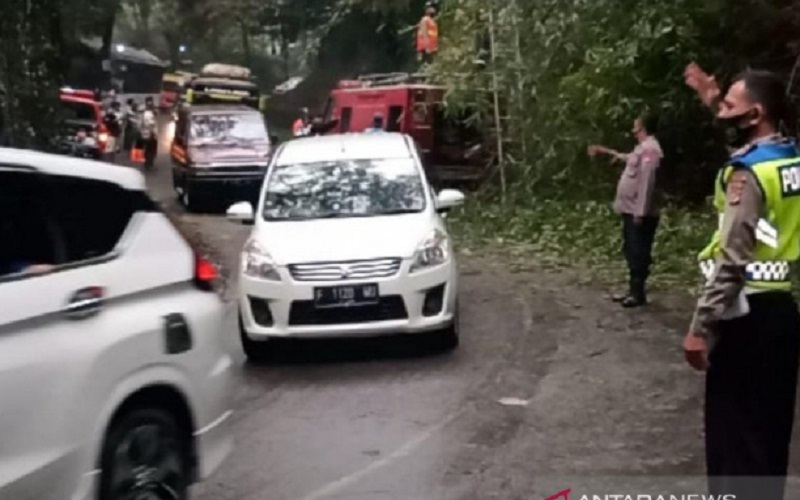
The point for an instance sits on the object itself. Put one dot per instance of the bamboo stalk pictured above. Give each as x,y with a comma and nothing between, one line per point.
496,94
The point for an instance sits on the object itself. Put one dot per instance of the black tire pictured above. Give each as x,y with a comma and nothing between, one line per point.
189,200
449,338
176,185
255,351
145,453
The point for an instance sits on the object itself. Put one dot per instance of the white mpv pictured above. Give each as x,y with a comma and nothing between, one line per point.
348,241
113,377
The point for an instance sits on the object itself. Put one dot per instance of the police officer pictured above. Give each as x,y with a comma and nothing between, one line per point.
746,328
637,202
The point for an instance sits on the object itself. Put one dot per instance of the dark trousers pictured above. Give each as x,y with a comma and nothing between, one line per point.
150,151
750,399
637,247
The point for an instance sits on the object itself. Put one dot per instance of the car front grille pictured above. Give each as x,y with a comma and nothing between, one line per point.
340,271
237,169
304,313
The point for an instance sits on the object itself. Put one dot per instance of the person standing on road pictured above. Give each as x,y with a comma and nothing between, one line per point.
148,132
113,121
301,126
746,328
637,202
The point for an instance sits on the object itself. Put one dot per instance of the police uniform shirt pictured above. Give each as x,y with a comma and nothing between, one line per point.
743,208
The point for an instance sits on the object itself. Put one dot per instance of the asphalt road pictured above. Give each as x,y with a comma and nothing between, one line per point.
553,385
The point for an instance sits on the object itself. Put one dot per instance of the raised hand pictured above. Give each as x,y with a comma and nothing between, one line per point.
701,82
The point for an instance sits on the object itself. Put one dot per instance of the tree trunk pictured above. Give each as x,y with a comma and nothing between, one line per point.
245,43
107,36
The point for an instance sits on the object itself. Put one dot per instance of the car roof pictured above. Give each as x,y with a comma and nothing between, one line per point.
378,145
51,164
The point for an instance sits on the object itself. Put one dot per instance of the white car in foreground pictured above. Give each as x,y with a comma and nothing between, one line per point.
348,241
113,378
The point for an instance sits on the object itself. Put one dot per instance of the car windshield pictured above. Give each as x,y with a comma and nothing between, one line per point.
225,128
341,189
77,111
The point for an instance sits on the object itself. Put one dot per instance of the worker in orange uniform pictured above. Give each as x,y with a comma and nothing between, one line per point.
428,35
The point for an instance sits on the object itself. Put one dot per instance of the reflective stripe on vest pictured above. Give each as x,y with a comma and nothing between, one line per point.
774,272
766,233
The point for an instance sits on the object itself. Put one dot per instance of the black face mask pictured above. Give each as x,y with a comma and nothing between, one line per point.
737,135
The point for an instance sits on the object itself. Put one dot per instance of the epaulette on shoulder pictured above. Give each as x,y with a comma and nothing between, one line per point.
746,157
759,153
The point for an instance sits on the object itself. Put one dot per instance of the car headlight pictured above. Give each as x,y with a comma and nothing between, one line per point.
434,251
257,262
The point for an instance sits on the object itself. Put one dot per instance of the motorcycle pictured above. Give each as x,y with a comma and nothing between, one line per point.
78,148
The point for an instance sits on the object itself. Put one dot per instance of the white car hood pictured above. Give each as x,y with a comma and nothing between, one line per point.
334,240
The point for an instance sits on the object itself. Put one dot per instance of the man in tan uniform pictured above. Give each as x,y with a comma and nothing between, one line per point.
638,205
746,313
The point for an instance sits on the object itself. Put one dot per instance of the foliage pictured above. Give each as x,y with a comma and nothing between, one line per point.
585,234
574,72
35,43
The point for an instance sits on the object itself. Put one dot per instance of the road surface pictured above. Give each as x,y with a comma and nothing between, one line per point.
553,384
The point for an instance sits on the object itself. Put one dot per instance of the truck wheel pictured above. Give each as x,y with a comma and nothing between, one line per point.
145,455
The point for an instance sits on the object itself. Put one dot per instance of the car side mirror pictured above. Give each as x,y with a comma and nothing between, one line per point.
242,213
449,199
274,140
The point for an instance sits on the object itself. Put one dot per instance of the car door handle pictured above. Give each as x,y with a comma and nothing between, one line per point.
85,303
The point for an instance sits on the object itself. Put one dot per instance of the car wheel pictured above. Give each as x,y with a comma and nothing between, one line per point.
176,183
256,351
190,202
145,455
449,338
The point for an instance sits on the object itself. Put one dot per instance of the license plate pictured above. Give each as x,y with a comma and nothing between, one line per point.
346,296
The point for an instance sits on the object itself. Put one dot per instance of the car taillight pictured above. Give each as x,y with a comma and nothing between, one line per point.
205,273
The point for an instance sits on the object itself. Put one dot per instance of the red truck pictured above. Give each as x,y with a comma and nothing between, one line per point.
82,110
411,106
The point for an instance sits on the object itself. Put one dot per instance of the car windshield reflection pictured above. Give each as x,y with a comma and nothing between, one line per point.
344,189
228,128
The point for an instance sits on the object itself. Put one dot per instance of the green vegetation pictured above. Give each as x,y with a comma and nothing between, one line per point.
541,78
549,77
582,233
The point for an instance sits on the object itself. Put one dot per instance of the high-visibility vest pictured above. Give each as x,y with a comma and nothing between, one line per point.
428,35
776,168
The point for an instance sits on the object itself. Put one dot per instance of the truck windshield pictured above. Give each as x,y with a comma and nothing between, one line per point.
225,128
72,111
342,189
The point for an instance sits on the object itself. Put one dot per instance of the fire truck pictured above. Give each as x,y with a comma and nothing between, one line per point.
408,104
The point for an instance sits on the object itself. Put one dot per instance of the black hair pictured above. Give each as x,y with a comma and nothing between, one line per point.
649,122
767,89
